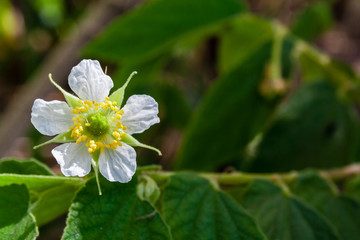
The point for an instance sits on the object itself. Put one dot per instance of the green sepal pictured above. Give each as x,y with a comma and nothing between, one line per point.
128,139
70,99
118,95
64,137
147,189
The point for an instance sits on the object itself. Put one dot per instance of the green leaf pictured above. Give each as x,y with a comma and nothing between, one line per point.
117,214
147,73
28,166
314,128
243,37
53,203
283,217
130,38
25,229
15,221
230,115
51,196
352,188
195,210
314,20
14,203
341,211
315,66
175,108
36,183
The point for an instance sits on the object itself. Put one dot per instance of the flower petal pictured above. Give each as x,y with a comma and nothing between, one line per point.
51,118
118,165
140,112
74,159
89,82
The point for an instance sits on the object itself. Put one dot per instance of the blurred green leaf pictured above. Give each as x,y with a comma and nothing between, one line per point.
244,36
352,188
130,38
176,108
316,65
173,106
230,115
314,128
147,72
283,217
117,214
15,221
195,210
28,166
314,20
342,212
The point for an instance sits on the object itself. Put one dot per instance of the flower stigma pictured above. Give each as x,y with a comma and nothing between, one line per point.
98,124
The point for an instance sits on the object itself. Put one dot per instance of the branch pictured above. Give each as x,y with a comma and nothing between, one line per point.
237,178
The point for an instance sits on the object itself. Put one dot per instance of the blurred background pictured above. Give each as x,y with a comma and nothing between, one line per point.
234,93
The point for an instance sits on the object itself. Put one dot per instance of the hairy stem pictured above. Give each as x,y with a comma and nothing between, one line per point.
236,178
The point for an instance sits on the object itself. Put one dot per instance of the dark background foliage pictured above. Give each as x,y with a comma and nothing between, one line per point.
257,86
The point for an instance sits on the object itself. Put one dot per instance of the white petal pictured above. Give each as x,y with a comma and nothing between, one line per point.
140,112
118,165
74,159
89,82
51,118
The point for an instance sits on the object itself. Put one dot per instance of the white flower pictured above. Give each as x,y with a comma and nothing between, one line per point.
93,128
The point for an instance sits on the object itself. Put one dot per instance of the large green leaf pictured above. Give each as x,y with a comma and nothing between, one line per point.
28,166
283,217
231,114
243,37
117,214
50,195
15,221
314,20
158,24
195,210
341,211
314,128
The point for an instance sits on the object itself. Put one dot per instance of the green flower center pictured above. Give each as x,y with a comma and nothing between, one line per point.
98,124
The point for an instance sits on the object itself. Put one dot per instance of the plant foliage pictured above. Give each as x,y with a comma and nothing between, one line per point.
276,105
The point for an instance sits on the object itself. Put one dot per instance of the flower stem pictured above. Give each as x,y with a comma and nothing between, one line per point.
96,170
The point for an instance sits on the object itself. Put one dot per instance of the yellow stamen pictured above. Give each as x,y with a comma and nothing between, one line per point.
80,120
